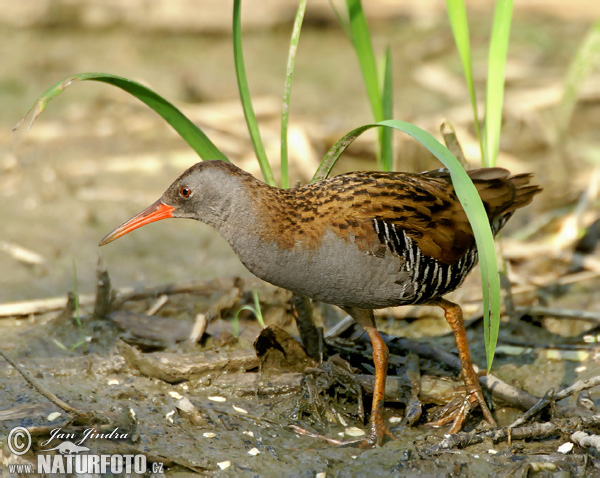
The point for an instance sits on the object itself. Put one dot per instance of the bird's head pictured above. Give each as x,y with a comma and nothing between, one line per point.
199,193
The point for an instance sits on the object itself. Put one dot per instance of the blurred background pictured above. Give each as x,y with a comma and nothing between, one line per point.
97,156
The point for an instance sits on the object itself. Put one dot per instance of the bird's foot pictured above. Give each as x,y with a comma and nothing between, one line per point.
333,441
456,411
372,440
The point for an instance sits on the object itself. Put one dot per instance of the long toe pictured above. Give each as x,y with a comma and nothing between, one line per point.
454,411
375,438
476,395
473,397
372,440
457,411
461,416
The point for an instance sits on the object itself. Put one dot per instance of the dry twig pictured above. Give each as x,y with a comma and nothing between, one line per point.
199,328
103,286
499,389
199,287
42,389
577,387
40,306
552,397
162,300
413,373
560,313
536,430
585,440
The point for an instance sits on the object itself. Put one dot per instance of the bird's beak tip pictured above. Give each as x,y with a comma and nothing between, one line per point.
157,211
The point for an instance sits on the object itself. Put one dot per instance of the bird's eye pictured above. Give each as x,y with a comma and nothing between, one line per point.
185,192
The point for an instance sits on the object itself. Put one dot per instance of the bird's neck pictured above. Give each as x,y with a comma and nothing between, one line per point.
248,213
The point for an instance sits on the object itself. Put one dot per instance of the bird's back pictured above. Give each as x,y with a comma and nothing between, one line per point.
377,239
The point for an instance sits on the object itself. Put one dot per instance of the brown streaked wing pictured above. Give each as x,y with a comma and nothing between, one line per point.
423,205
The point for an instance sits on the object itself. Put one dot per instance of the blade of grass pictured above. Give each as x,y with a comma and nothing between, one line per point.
457,14
585,60
245,97
73,308
257,309
287,91
495,80
474,209
386,135
236,319
193,135
344,22
361,39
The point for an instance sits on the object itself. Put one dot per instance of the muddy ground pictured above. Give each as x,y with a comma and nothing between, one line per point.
96,157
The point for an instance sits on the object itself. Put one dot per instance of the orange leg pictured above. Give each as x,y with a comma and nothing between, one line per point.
377,428
454,317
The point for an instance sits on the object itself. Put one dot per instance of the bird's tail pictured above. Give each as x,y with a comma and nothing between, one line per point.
502,194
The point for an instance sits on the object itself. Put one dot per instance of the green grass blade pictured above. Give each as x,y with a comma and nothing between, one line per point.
289,74
585,60
344,22
180,123
386,135
246,99
334,153
471,202
361,39
236,319
257,309
495,80
457,14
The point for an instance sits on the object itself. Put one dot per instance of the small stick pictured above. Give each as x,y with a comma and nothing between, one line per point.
535,430
585,440
555,282
22,254
69,312
537,408
41,388
500,389
199,328
414,407
40,306
578,386
187,409
340,327
463,439
309,333
452,143
551,397
102,305
162,300
560,313
203,287
333,441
